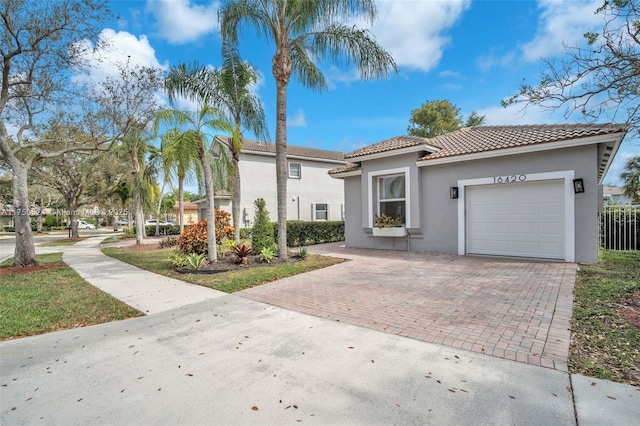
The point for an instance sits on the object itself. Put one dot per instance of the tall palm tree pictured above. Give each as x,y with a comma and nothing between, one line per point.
227,88
305,31
180,158
137,148
631,178
198,122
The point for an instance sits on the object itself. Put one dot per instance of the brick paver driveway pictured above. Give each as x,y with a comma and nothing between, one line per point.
514,309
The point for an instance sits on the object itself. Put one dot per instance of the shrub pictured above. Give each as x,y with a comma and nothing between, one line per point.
301,233
224,230
128,233
178,258
245,233
8,228
169,242
262,234
194,237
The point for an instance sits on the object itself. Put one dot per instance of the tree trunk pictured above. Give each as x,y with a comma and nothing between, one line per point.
236,198
281,166
137,202
25,252
212,254
181,203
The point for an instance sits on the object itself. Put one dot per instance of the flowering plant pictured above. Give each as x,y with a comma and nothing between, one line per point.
385,221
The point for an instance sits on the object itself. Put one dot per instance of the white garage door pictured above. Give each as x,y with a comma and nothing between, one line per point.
521,219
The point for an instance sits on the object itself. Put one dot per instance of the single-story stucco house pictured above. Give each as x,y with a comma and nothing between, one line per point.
530,191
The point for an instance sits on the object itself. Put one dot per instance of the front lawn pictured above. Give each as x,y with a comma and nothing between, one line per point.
64,242
53,297
606,318
157,260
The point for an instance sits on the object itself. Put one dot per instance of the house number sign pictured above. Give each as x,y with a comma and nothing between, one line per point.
509,179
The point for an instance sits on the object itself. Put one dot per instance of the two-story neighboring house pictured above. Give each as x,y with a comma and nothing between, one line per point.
312,195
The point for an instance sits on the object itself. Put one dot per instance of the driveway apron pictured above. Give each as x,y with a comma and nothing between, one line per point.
508,308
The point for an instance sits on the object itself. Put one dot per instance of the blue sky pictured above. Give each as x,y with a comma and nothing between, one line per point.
472,53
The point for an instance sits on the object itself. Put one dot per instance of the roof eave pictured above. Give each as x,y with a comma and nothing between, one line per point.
393,152
342,175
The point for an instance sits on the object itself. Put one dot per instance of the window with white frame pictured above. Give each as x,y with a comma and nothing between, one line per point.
295,171
321,211
391,196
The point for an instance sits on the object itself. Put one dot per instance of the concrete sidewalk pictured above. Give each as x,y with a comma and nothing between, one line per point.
229,360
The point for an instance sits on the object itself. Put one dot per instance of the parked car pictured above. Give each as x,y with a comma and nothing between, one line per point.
85,225
153,222
123,222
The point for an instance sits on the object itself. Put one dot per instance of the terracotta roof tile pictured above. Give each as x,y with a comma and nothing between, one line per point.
397,142
298,151
472,140
349,167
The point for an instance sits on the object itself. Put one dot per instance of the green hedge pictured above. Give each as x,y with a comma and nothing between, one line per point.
301,233
150,230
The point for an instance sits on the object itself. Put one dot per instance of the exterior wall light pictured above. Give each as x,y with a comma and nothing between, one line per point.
578,186
453,192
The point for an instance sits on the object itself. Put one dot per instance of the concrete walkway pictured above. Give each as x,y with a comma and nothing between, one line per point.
229,360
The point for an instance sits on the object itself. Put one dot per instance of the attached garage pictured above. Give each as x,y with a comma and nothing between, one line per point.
531,191
524,219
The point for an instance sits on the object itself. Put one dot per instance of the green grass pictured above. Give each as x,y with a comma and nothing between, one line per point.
53,299
65,242
605,345
158,261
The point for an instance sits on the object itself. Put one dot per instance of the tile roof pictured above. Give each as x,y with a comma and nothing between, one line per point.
478,139
397,142
471,140
349,167
298,151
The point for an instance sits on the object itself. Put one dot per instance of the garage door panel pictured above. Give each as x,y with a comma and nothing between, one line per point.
523,219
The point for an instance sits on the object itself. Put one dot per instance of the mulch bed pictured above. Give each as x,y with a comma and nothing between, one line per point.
30,269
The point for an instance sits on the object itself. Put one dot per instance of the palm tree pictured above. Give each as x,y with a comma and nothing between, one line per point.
227,88
305,31
206,118
631,178
180,158
137,148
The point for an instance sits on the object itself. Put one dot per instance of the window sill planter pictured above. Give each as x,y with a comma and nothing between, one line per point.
397,231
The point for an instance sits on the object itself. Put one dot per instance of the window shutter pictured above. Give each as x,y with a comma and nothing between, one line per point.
313,212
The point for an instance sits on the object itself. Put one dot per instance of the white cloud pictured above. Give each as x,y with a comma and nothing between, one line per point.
297,120
415,31
561,22
182,21
121,47
449,73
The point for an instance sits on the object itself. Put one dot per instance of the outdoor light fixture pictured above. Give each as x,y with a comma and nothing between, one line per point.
453,192
578,186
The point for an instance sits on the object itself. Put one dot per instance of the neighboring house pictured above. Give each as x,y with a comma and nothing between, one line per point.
190,213
499,191
615,195
311,194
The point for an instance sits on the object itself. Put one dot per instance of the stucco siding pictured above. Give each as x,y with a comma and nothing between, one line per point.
258,180
434,216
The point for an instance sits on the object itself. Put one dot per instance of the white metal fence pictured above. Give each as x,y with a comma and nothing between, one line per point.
620,228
